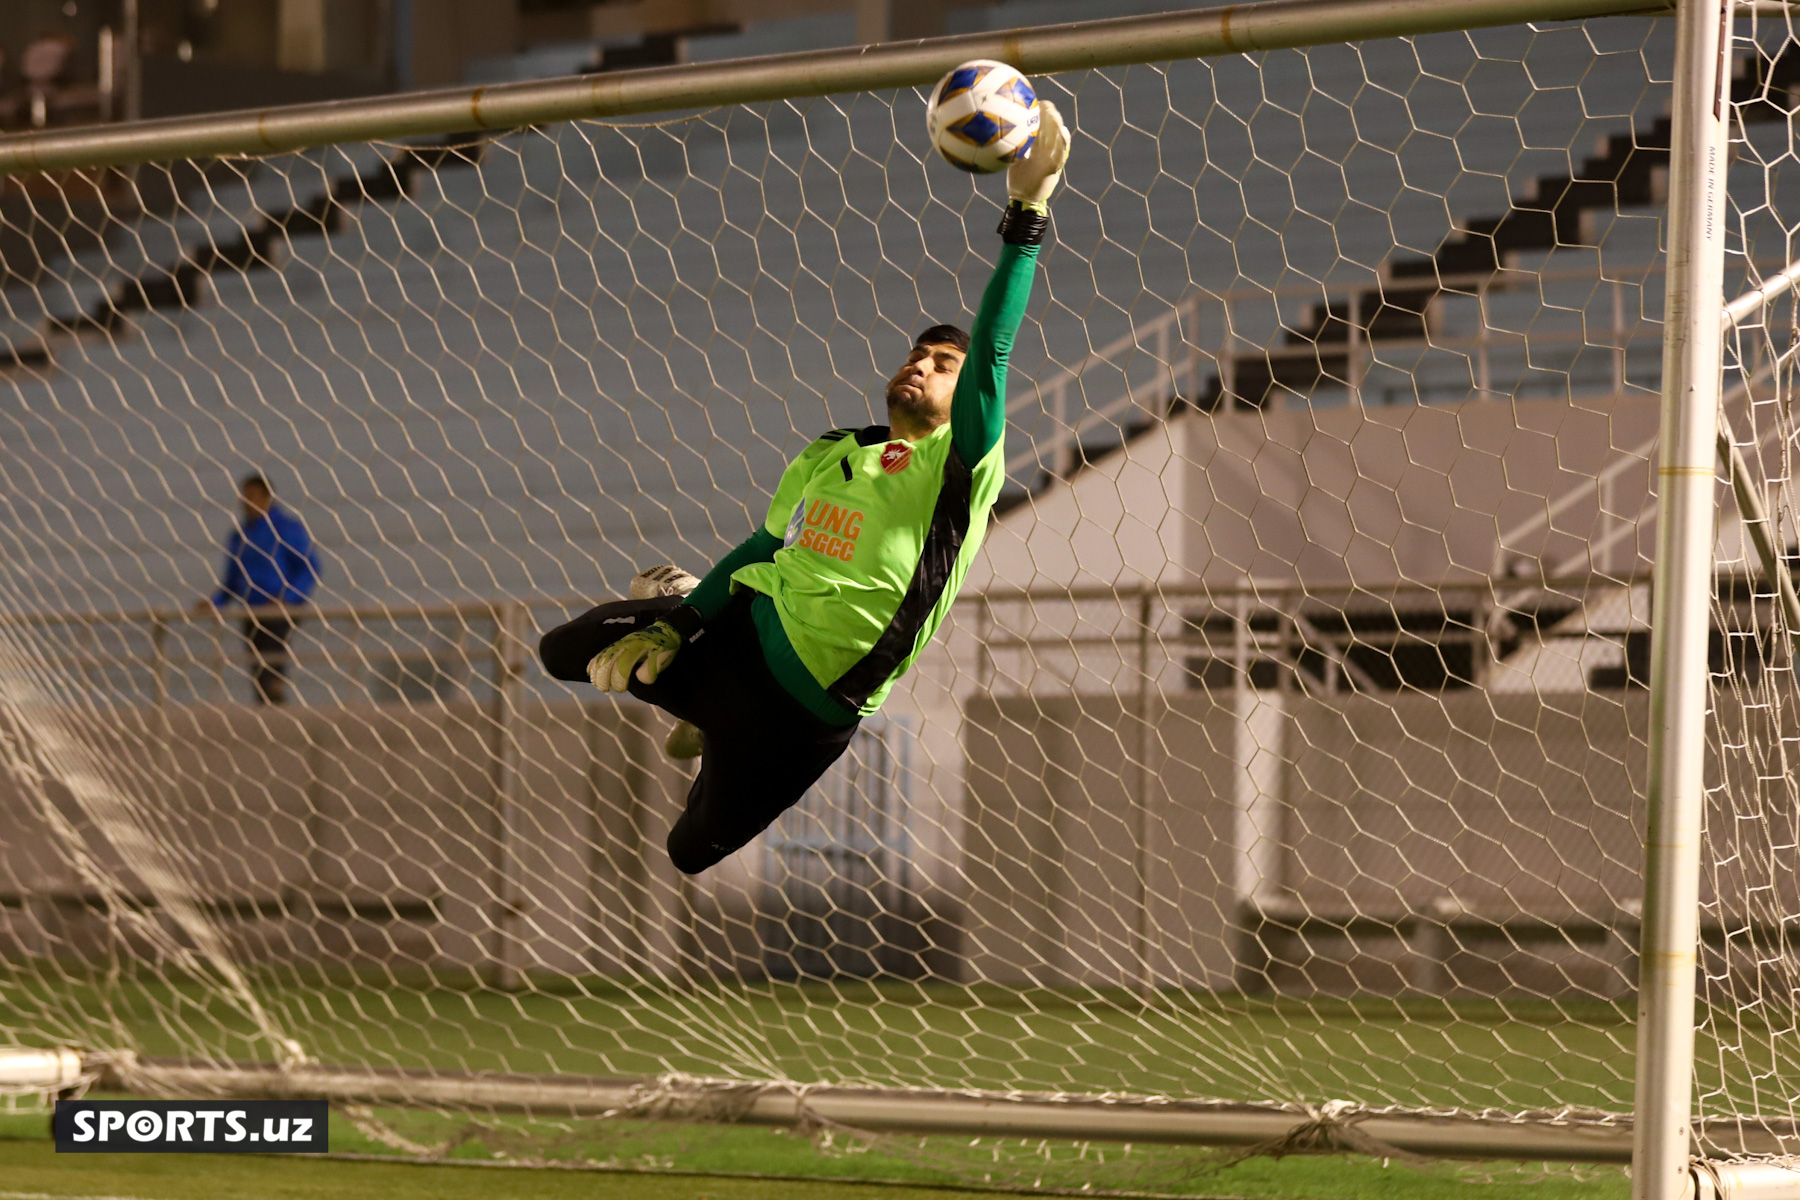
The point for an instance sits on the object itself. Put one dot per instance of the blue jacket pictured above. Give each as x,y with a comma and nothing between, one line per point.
269,561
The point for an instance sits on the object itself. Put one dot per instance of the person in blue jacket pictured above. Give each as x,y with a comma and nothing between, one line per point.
270,566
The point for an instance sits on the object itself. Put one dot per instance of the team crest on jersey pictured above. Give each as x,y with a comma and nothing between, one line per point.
895,457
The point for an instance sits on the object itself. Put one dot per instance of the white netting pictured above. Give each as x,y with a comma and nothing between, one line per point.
1746,1096
1286,747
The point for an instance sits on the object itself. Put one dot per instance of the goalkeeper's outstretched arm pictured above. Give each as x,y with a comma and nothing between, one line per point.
978,409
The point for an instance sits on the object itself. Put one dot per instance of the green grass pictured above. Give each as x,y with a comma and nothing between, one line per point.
29,1167
1438,1054
949,1162
1416,1053
32,1169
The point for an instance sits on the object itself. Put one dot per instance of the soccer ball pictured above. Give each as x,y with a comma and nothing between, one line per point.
982,116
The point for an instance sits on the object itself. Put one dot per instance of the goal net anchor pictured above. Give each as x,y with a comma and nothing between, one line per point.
26,1072
1745,1181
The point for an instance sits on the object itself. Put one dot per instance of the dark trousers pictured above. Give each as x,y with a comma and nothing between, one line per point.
763,749
268,638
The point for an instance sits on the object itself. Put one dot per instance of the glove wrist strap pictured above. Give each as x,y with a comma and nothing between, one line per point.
1024,224
684,619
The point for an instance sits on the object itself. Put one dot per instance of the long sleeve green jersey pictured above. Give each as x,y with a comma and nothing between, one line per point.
868,537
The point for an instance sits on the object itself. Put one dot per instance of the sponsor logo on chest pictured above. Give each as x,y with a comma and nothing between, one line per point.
830,529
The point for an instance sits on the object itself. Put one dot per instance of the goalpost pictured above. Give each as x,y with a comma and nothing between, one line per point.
1369,726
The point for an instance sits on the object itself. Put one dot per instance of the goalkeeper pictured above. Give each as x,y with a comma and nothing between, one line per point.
796,635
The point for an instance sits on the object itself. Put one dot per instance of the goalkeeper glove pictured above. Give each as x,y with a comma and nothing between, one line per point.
1030,180
647,653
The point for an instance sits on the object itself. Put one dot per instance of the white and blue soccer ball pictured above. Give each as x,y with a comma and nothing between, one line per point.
983,116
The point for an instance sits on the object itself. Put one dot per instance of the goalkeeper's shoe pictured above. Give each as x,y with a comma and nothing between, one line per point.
684,741
666,580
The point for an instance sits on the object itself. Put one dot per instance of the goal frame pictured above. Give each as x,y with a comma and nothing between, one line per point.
1045,49
1662,1132
1681,592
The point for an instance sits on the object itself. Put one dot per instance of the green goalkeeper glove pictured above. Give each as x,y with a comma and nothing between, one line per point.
1030,180
647,653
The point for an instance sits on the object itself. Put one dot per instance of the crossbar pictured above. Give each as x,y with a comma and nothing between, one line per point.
1233,29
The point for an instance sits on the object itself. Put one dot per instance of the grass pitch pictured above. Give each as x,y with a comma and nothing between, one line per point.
1438,1054
1443,1054
31,1170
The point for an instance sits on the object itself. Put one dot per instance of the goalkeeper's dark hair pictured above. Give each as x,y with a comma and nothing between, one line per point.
944,335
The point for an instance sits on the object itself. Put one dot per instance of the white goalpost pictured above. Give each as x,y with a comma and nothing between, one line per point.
1369,725
1687,466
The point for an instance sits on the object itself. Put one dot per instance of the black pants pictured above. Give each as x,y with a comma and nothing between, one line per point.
268,638
763,749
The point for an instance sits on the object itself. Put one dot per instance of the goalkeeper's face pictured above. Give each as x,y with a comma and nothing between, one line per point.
918,395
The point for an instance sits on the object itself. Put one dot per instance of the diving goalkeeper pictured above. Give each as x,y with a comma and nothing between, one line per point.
795,636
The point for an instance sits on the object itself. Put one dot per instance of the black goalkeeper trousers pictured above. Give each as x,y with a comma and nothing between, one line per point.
763,749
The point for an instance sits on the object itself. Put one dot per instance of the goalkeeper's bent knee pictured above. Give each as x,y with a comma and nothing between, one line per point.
560,652
690,853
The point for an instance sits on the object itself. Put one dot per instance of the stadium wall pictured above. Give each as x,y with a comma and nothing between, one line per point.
347,837
356,835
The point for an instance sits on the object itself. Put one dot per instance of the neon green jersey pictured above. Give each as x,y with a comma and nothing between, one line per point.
877,534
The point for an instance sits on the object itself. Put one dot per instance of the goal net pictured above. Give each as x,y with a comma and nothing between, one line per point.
1745,1096
1279,773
